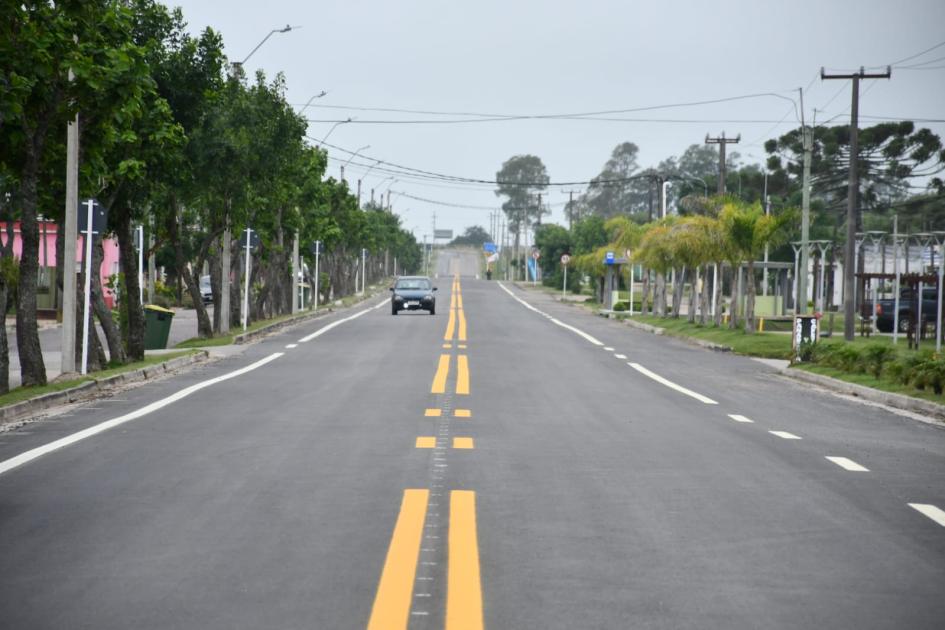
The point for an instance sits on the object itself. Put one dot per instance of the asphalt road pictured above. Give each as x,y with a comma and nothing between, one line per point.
312,485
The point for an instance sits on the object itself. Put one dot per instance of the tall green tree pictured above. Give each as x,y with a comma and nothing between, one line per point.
521,179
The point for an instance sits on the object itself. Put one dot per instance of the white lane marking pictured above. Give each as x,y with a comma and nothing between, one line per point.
848,464
679,388
739,418
785,435
321,331
39,451
608,349
383,302
934,513
557,322
289,346
621,356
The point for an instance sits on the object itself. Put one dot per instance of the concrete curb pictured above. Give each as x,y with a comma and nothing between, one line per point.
656,330
899,401
87,390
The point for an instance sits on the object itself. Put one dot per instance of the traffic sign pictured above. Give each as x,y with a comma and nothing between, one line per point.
99,216
565,259
609,258
536,254
489,247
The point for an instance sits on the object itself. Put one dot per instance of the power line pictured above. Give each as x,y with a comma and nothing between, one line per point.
918,54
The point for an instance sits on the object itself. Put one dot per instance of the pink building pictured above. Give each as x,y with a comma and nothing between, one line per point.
46,298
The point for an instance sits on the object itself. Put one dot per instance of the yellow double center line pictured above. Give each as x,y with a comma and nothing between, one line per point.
456,314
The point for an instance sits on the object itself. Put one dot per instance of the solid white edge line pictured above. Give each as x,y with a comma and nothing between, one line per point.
558,322
668,383
847,464
785,435
927,509
28,456
740,418
321,331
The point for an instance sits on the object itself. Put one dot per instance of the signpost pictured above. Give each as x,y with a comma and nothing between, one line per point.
609,258
92,221
251,240
535,256
316,249
443,234
565,259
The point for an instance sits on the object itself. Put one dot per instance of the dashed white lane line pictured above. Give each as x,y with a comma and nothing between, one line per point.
934,513
550,318
28,456
608,349
622,357
740,418
847,464
668,383
785,435
289,346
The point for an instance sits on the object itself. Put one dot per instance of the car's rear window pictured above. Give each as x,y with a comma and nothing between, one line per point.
415,284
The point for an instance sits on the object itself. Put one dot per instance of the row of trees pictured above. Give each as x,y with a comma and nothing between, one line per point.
723,235
169,139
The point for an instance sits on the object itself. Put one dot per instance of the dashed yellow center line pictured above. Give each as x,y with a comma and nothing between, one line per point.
447,346
433,413
426,441
442,372
395,589
462,373
461,413
462,324
463,442
464,589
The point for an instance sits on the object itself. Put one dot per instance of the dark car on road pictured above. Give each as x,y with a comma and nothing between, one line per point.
413,293
886,309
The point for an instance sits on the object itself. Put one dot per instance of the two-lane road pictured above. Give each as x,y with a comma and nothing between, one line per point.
509,463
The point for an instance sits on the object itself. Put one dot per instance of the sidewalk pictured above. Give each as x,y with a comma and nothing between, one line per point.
183,327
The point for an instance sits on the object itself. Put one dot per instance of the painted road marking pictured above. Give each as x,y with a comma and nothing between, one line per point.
464,589
321,331
450,325
462,413
927,509
432,413
679,388
462,374
739,418
463,442
554,321
395,589
426,441
442,371
447,346
621,356
608,349
461,346
848,464
785,435
462,321
291,345
28,456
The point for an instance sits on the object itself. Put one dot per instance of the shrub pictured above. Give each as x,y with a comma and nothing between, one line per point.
905,370
930,373
875,357
620,307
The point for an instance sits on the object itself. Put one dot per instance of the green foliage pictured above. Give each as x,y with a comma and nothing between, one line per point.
475,235
520,179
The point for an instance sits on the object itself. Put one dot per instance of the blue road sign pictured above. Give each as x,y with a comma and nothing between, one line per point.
489,247
609,258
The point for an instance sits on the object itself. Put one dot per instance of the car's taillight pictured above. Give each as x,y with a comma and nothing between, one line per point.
879,309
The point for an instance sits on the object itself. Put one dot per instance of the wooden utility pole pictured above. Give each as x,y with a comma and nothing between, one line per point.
722,141
849,250
570,209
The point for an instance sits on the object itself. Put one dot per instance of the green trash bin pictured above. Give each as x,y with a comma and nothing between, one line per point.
157,326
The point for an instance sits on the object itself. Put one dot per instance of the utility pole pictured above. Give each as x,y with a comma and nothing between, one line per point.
359,194
849,253
661,201
722,141
808,144
570,210
71,229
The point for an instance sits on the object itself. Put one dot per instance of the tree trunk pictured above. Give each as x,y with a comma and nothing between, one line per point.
750,297
204,329
645,299
130,303
116,351
678,287
733,304
4,348
704,298
216,280
659,295
720,278
693,290
32,368
96,355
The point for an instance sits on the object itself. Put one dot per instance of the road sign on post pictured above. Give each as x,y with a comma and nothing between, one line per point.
565,259
443,234
609,258
93,219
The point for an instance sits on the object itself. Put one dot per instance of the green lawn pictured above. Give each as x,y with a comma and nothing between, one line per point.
869,380
25,393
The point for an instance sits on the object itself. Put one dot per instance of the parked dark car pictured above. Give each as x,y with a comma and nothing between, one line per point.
886,308
413,293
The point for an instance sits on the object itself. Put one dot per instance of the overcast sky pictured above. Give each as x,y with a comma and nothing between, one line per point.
551,57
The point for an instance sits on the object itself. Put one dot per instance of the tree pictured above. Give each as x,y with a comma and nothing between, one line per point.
474,235
520,180
553,241
610,194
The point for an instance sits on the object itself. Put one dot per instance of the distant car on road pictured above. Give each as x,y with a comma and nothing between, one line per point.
205,291
886,309
413,293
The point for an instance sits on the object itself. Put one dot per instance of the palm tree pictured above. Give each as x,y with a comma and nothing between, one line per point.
747,229
656,251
